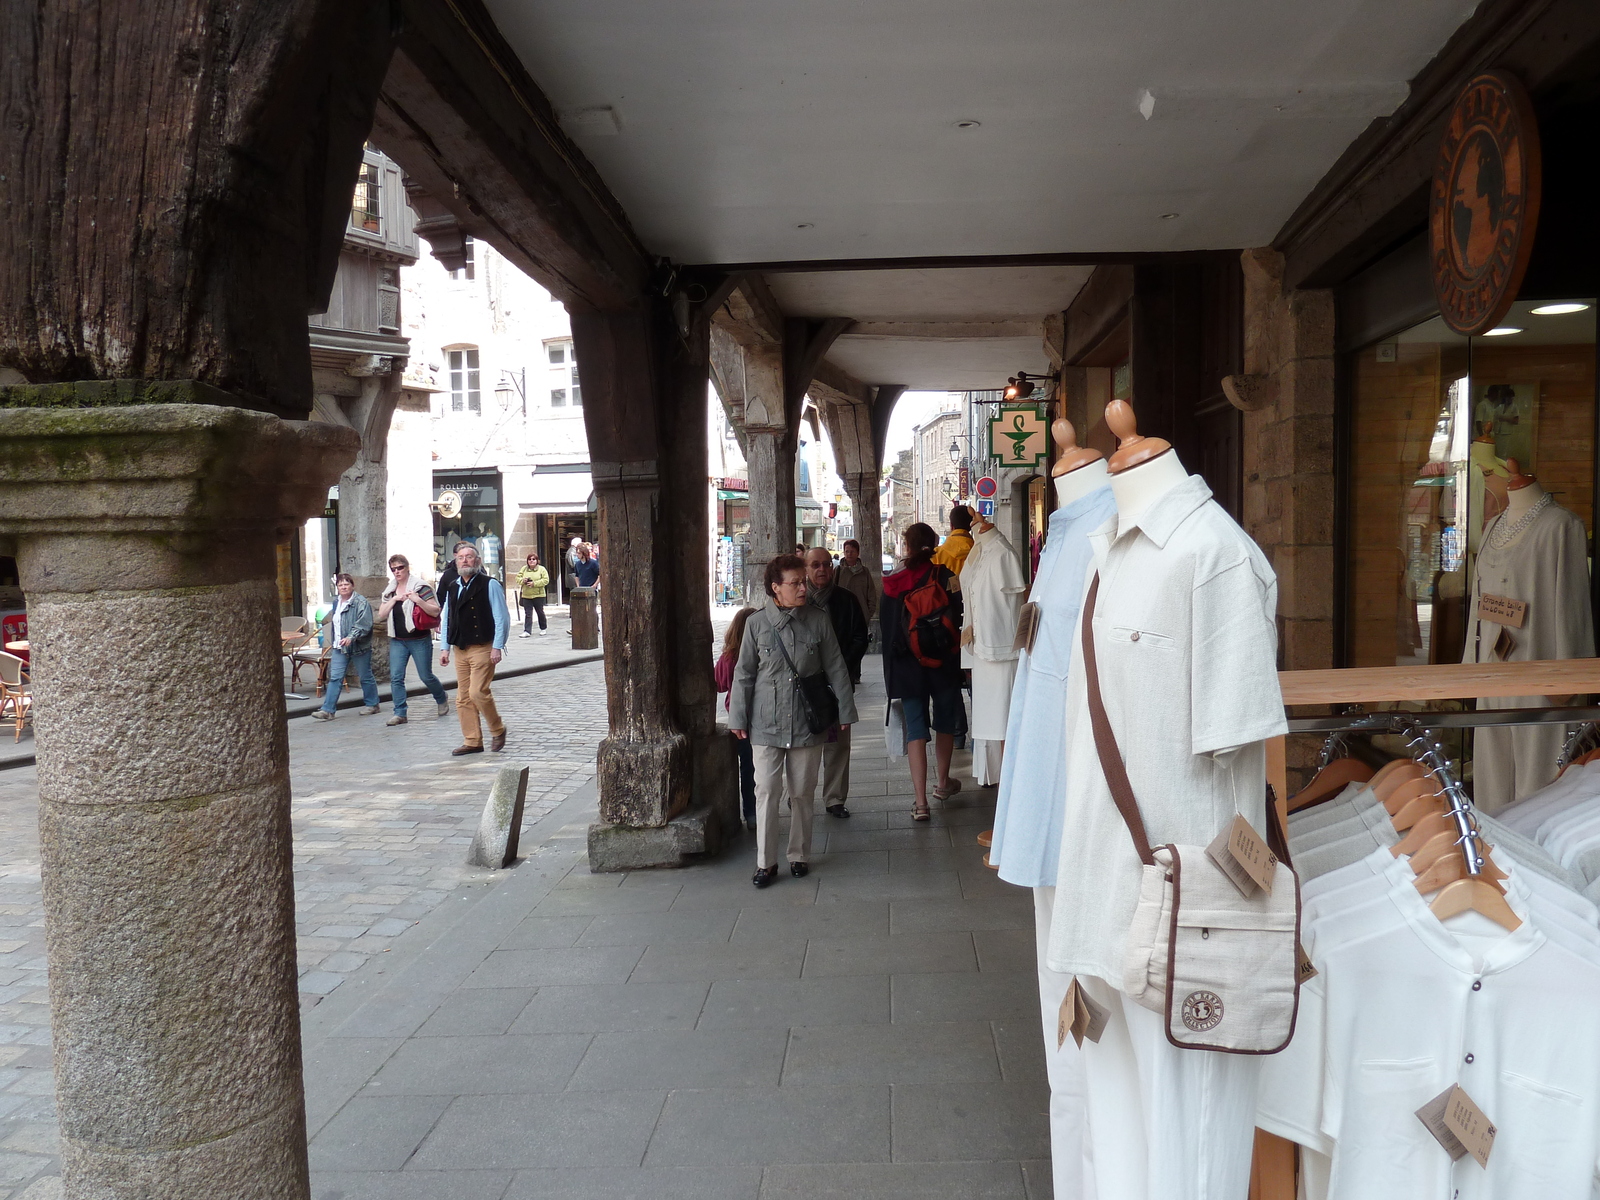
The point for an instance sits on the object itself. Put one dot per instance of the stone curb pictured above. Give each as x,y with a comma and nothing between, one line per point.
8,762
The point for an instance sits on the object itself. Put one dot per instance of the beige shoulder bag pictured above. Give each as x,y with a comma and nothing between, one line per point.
1220,966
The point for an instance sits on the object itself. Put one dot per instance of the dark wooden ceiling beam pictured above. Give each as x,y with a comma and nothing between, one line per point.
941,262
466,122
1376,194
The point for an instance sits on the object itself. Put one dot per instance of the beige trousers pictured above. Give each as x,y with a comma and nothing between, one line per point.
785,775
474,674
836,770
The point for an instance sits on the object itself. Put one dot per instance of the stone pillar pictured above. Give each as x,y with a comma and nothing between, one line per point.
770,462
146,538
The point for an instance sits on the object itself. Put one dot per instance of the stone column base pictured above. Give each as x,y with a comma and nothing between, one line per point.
689,837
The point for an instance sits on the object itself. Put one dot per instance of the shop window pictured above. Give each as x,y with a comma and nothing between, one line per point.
1436,421
465,395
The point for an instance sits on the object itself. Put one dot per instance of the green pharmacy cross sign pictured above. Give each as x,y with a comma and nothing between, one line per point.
1019,436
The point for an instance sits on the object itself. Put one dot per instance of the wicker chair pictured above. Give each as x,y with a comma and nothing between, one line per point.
16,693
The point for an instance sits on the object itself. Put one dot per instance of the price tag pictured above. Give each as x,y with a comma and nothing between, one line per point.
1027,627
1243,857
1502,610
1080,1016
1303,969
1459,1125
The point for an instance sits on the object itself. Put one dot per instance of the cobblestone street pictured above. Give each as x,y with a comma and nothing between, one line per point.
382,818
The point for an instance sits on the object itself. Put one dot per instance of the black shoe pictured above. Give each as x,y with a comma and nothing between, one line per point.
750,824
799,870
467,750
838,810
764,876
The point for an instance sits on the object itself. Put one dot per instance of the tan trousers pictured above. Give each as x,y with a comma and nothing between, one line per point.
836,770
474,674
785,775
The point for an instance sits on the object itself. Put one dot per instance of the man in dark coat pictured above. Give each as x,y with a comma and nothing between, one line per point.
850,627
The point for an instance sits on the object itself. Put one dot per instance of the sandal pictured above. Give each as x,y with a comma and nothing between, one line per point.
944,793
919,812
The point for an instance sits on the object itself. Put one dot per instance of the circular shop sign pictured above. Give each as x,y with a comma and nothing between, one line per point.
1485,202
987,487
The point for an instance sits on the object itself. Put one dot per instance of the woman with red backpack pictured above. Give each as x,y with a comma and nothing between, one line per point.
921,621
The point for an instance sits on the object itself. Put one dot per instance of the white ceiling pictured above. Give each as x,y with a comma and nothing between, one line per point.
743,132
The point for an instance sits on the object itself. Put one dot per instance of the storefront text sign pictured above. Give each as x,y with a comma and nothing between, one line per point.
1018,436
1485,202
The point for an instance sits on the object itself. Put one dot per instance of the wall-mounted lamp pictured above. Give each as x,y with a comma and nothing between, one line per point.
1020,385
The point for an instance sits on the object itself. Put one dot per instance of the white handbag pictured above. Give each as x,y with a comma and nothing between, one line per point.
1219,966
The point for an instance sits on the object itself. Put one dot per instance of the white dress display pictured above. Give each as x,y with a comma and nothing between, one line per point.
1539,558
992,583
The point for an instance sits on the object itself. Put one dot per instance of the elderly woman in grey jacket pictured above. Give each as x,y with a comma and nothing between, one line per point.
351,633
767,707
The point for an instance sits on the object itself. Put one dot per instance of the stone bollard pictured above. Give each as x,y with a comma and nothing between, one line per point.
146,541
495,844
585,613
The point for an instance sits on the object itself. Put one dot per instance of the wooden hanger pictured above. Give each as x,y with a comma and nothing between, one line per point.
1407,791
1389,769
1475,894
1423,832
1132,447
1330,781
1404,773
1073,455
1442,859
1413,812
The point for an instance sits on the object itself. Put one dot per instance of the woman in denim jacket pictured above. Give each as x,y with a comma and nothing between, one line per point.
351,631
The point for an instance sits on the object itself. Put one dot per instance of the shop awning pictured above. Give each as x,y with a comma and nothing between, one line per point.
556,492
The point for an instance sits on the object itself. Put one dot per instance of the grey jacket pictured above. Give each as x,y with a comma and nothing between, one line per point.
765,697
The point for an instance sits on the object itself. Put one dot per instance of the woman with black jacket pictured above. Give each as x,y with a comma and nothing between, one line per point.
921,621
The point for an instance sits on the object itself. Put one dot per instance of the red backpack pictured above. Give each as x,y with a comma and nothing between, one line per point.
930,629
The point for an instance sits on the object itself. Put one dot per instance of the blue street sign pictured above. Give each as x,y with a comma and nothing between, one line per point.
986,508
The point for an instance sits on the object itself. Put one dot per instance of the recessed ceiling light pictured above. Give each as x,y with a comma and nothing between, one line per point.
968,123
804,225
1557,310
1503,331
1170,216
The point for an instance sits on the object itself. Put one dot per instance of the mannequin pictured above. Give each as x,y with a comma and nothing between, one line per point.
992,583
1534,552
1028,812
1184,631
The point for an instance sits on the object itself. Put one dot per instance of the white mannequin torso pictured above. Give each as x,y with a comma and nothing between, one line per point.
1522,499
1075,485
1137,488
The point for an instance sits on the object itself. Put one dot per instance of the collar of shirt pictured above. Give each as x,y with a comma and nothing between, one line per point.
1161,520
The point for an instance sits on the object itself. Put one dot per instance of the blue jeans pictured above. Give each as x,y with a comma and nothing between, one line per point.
417,650
343,660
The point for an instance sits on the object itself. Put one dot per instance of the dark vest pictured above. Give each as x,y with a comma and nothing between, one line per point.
471,618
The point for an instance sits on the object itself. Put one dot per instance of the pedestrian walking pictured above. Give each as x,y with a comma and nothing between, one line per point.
789,659
850,629
958,545
855,578
533,581
473,626
587,569
731,642
412,610
351,631
920,618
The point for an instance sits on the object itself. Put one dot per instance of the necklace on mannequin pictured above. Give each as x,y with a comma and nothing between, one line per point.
1502,535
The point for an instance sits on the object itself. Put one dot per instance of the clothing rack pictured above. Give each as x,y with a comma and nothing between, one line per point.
1580,741
1274,1170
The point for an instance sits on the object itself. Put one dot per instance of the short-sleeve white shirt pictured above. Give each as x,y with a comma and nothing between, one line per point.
1186,643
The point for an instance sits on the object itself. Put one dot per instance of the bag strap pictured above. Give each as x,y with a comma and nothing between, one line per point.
777,636
1105,742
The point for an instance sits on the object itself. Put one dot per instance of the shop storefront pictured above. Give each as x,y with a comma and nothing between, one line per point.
467,508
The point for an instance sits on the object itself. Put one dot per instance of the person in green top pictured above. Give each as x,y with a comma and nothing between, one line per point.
534,581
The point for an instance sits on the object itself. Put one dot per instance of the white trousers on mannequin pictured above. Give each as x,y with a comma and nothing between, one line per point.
1071,1165
1165,1123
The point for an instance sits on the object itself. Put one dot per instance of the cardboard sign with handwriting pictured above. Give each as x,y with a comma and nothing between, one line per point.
1459,1125
1502,610
1242,855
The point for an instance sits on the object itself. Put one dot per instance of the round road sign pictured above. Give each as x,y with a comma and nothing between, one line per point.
987,487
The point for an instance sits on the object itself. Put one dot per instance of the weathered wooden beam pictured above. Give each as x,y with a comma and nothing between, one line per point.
1376,193
804,344
1098,308
883,402
844,387
179,227
464,119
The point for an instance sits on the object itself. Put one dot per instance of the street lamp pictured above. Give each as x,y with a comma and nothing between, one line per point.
955,450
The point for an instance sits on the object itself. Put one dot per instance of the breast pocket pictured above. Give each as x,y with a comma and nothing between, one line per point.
1544,1141
1147,639
1383,1148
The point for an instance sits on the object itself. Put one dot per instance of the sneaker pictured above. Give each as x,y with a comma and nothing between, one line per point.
444,708
523,635
368,711
322,714
544,633
395,721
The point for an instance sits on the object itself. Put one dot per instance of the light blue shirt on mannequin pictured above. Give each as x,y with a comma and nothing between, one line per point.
1033,779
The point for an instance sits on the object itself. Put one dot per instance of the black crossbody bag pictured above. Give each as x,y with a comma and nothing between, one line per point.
816,694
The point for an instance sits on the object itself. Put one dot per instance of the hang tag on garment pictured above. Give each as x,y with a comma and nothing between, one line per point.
1242,855
1080,1016
1502,610
1303,969
1459,1125
1504,645
1027,627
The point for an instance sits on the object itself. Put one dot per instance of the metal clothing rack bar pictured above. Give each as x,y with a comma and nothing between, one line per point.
1396,722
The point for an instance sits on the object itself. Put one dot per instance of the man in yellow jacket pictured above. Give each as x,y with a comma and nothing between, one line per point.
953,551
